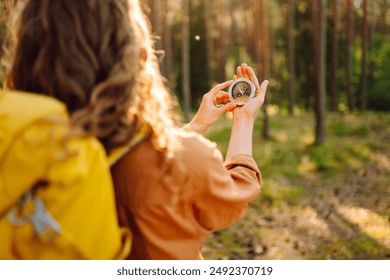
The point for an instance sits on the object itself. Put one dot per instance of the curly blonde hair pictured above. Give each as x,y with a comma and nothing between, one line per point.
97,57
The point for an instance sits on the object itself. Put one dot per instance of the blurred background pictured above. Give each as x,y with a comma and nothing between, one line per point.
342,45
322,140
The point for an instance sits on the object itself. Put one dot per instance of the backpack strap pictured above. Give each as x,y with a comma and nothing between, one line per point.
120,152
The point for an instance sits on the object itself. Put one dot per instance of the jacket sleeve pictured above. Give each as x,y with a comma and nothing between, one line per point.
228,190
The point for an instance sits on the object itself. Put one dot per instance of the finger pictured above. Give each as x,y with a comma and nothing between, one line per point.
263,90
227,107
221,95
253,78
230,106
244,68
221,98
234,77
216,89
239,72
224,99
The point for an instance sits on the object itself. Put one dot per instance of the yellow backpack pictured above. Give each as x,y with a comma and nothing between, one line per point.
56,193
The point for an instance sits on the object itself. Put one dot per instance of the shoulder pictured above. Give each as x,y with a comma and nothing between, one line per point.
192,157
197,147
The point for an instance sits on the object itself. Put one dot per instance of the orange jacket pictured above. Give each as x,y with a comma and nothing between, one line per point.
171,207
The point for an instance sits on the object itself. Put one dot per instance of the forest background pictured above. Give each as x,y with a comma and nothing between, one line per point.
322,138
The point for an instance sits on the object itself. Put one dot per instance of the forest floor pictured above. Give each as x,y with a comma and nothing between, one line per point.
317,202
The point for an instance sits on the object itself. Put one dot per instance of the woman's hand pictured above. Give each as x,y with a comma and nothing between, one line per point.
244,116
251,106
210,110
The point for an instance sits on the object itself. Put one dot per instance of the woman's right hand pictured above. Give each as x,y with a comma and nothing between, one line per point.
244,116
250,107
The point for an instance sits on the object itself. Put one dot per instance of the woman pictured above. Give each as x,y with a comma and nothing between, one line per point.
172,188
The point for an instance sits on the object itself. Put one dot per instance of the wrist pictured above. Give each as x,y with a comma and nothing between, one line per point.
241,135
243,117
198,126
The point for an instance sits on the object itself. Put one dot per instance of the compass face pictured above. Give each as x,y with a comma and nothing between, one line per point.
241,90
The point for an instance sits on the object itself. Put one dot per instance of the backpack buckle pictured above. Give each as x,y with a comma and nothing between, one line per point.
14,216
45,226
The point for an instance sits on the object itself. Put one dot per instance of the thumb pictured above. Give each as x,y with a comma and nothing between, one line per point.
227,107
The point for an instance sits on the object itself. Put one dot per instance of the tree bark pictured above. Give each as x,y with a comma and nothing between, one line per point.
266,63
222,41
167,42
186,60
256,35
383,27
157,23
335,53
209,40
371,45
350,27
364,46
291,56
319,36
260,12
273,13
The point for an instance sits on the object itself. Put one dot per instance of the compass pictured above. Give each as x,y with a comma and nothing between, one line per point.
241,90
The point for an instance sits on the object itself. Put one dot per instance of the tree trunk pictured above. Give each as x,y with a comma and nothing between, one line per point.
291,56
167,42
266,63
371,45
363,76
235,33
222,40
256,35
209,41
319,36
273,13
156,9
157,28
250,31
350,27
335,53
186,60
382,24
260,10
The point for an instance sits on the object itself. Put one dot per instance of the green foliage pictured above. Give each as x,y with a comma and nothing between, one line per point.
292,149
305,186
322,157
275,193
362,247
340,128
379,83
